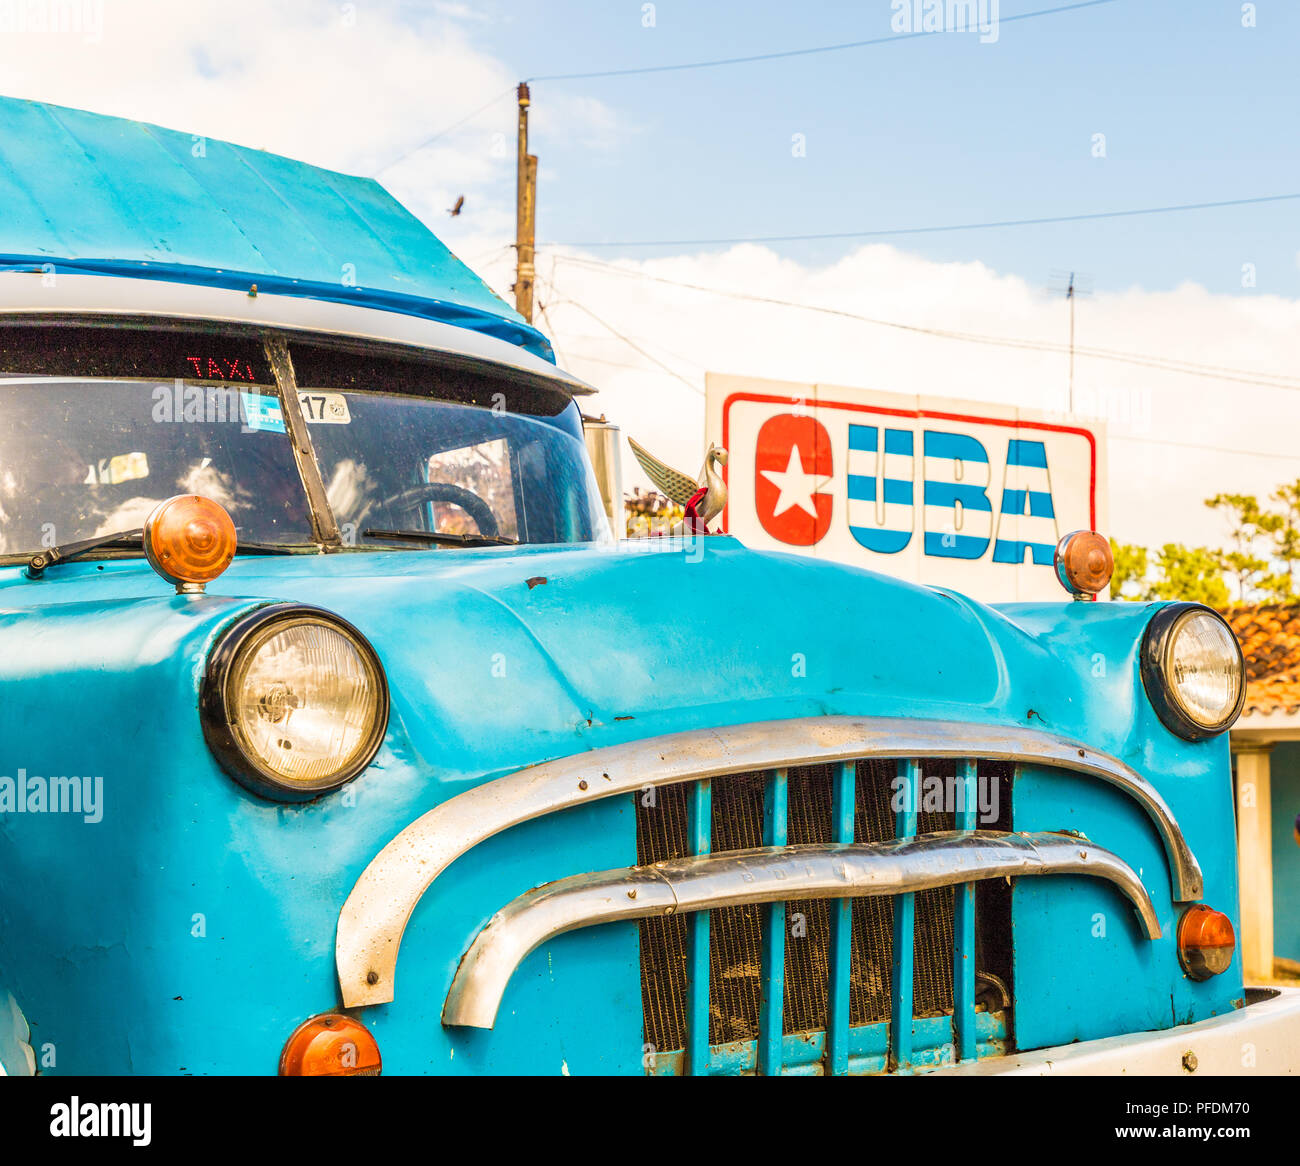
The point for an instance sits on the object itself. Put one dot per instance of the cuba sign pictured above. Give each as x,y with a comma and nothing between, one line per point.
950,493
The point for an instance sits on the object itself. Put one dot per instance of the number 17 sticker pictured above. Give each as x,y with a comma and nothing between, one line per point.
325,408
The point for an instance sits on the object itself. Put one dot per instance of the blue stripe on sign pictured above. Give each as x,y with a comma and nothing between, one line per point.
898,441
1013,551
955,546
863,437
861,489
954,445
1040,503
947,493
898,492
883,542
1026,453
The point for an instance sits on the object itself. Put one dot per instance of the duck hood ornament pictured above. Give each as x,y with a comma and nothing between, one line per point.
703,498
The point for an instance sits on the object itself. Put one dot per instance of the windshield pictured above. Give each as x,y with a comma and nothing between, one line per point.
88,456
405,464
82,457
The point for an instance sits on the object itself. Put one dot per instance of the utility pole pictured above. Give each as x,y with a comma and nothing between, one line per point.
525,213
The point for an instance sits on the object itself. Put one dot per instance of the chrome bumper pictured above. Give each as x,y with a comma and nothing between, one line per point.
374,917
1263,1038
770,875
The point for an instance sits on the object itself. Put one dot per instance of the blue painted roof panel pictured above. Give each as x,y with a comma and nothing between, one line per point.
110,196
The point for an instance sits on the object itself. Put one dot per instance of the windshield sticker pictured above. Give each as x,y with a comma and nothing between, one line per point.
325,408
126,467
263,413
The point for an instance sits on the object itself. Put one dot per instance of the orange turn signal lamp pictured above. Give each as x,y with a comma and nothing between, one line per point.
1206,942
1084,563
189,541
330,1045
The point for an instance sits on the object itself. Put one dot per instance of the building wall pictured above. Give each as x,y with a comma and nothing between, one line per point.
1285,773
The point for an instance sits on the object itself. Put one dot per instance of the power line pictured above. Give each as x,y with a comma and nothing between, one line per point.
717,63
625,339
1251,453
932,230
1164,364
835,48
443,132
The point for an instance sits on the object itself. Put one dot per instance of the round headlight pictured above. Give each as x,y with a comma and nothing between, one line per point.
294,702
1193,671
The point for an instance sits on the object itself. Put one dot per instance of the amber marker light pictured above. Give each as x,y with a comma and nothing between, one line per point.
330,1045
1206,942
189,541
1084,563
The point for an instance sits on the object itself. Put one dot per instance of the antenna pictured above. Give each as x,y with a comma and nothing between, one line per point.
1076,283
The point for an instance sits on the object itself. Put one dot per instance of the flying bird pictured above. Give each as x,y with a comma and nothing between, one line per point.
460,202
703,498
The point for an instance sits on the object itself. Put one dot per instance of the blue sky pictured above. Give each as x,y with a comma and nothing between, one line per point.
929,131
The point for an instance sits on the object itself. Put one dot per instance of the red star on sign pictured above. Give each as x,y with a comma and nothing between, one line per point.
792,463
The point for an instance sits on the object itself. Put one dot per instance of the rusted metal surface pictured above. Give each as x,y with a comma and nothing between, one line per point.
374,916
325,526
768,875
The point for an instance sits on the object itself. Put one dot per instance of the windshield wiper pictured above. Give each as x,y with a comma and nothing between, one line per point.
37,564
126,540
451,540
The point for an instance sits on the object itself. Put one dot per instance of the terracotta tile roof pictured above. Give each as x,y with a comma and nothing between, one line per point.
1269,634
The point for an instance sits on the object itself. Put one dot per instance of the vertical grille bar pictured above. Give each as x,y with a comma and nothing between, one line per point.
901,992
697,967
963,924
841,948
771,1025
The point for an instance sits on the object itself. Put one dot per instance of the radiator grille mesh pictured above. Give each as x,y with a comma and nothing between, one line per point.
736,933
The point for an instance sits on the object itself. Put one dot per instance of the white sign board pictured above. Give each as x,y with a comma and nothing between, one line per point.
955,494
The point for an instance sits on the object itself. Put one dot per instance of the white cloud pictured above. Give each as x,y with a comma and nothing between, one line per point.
348,86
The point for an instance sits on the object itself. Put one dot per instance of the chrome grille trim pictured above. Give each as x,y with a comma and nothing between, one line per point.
766,875
375,914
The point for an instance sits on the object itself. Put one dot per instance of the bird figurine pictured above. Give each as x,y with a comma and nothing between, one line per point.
455,210
703,498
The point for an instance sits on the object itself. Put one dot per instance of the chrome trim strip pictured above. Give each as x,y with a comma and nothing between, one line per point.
768,875
374,916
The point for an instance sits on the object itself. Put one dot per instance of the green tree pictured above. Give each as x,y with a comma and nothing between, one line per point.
1248,521
1129,580
1191,573
1286,539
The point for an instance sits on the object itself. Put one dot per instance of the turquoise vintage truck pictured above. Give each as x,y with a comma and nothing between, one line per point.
338,734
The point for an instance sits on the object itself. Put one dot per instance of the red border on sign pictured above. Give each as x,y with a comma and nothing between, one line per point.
771,399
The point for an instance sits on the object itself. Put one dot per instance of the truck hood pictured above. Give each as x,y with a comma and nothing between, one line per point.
520,654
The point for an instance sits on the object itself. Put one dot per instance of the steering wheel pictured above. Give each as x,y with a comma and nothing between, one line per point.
467,500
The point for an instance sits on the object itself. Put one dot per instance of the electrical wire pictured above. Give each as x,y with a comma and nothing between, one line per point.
625,339
891,232
1165,364
787,53
443,132
713,64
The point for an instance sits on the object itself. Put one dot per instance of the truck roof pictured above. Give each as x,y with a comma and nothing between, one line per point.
98,195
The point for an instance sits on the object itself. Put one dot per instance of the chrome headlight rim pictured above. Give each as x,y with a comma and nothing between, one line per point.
216,699
1157,649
